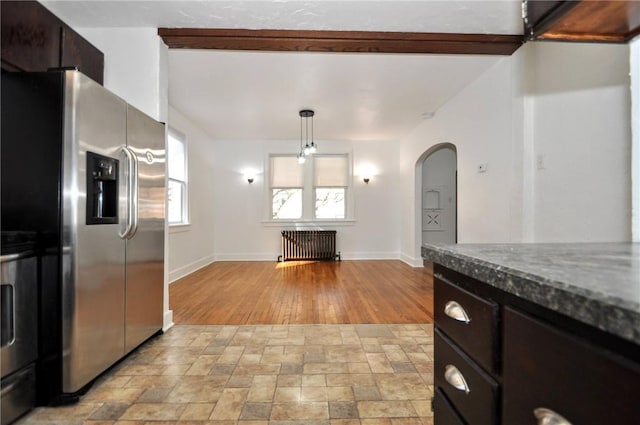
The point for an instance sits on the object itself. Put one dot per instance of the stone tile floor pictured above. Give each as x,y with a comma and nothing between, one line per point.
259,375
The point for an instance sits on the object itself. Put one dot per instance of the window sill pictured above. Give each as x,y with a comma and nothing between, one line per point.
308,223
178,228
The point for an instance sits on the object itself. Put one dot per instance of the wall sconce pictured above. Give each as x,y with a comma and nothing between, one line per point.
366,172
250,175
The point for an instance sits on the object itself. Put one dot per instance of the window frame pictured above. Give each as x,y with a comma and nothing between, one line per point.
309,193
634,47
185,206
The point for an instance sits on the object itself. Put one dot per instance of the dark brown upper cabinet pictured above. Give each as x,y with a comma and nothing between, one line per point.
34,39
75,51
598,21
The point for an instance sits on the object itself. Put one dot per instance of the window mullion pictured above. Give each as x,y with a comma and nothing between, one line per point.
308,193
185,202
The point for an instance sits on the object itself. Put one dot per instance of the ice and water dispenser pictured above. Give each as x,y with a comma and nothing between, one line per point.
102,189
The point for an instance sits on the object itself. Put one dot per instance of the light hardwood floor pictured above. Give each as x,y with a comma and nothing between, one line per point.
346,292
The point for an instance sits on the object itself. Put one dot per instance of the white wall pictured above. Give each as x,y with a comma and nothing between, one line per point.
582,135
135,66
242,208
568,102
192,247
478,121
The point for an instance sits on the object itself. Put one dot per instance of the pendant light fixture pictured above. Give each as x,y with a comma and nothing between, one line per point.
309,144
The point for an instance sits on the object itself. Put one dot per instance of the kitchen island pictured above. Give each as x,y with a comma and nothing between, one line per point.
536,332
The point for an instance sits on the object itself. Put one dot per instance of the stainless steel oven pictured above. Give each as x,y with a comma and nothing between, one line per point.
18,327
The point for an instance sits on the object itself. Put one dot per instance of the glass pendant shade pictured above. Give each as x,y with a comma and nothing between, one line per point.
309,145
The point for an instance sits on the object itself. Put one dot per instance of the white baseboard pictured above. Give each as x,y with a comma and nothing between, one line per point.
412,261
183,271
167,320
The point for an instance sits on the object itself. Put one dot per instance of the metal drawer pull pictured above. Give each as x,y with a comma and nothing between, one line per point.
453,376
549,417
456,312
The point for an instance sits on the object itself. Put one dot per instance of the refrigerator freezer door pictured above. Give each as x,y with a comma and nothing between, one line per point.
93,264
145,250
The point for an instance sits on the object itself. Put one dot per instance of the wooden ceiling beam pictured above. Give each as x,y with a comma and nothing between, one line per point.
339,41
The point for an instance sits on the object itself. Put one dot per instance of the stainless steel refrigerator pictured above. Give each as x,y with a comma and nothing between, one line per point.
86,172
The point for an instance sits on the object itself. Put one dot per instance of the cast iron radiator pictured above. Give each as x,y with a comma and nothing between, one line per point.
309,245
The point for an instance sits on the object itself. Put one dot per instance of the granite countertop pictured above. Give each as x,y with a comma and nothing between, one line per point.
595,283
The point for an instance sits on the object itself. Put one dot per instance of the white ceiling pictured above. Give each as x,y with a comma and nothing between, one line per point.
257,95
355,96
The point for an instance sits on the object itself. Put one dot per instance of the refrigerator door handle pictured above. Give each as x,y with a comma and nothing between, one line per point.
134,196
130,183
8,311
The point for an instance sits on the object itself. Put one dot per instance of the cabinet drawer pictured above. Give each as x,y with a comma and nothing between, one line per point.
469,320
544,367
443,412
453,371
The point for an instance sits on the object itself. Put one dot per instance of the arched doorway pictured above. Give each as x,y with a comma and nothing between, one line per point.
439,195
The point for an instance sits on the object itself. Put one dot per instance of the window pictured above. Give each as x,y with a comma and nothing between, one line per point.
286,187
177,212
317,189
331,174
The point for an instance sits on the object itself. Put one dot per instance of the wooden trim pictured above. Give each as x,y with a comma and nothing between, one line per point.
594,20
339,41
548,18
586,37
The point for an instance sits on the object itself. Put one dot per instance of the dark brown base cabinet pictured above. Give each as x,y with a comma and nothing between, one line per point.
503,360
477,397
545,368
446,413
